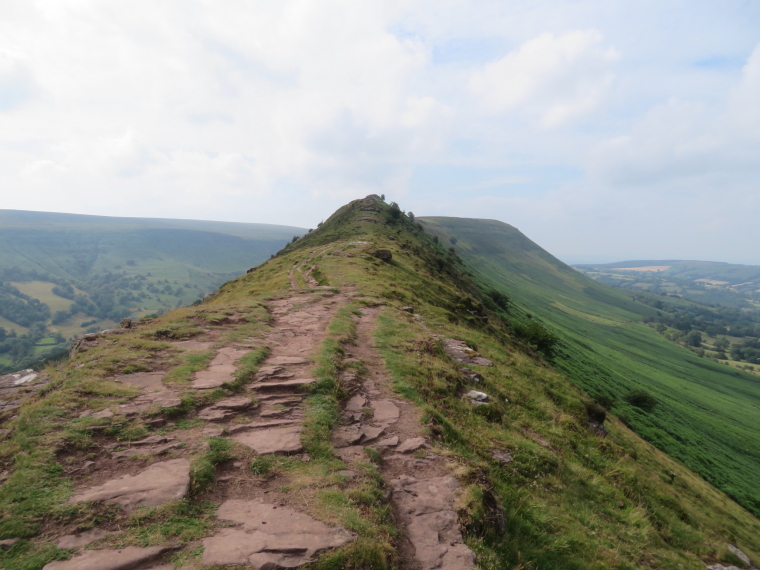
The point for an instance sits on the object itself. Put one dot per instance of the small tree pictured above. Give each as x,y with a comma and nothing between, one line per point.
694,338
411,215
722,343
453,240
382,197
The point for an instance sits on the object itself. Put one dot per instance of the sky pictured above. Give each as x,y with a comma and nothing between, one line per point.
604,131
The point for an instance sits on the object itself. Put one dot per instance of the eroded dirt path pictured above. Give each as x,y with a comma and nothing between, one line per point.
423,490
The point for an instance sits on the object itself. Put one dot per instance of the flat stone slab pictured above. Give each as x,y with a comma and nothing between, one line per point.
283,440
388,442
463,354
266,373
221,370
356,403
287,360
411,444
192,345
83,538
260,425
151,381
156,485
272,386
270,537
432,526
225,408
124,559
154,450
385,412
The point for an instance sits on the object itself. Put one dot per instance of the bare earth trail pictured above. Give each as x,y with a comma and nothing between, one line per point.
261,524
423,490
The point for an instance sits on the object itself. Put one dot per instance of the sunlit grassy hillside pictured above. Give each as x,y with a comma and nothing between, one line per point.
708,415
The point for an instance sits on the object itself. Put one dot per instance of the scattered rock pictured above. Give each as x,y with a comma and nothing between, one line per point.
156,485
471,376
259,425
104,414
212,432
598,429
503,457
225,408
155,450
385,412
346,436
476,396
130,557
463,354
388,442
408,309
356,403
284,440
82,538
287,360
432,525
8,541
271,537
411,444
221,370
286,385
371,432
268,372
740,555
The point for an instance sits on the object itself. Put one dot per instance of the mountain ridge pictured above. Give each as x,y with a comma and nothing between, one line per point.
368,327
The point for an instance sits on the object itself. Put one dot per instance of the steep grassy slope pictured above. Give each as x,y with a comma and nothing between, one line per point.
708,414
567,499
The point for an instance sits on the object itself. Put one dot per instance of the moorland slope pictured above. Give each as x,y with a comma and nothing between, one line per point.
707,414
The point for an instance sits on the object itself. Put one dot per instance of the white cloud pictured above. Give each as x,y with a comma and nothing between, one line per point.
682,139
553,78
281,111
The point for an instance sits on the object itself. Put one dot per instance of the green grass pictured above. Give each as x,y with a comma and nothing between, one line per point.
708,413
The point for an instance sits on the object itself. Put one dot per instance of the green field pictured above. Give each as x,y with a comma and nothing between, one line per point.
708,415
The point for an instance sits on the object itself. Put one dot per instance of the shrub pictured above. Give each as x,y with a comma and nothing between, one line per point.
641,399
595,412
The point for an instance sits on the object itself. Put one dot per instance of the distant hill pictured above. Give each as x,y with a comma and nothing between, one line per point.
709,413
706,281
88,272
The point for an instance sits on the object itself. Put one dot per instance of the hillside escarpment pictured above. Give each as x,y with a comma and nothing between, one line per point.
351,403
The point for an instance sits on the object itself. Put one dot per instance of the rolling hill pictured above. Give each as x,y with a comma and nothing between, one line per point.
92,271
724,284
708,413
